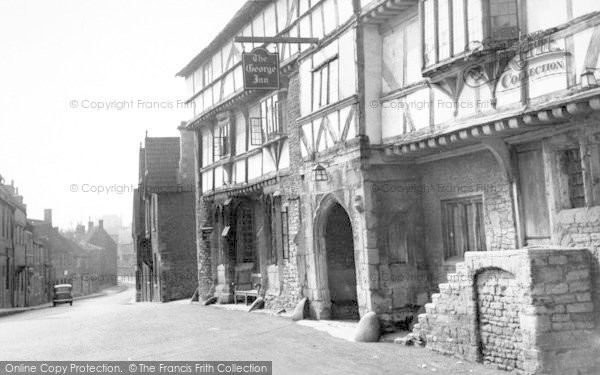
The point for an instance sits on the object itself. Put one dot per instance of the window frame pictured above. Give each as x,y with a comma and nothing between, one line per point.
270,124
327,95
220,141
451,252
431,57
406,78
285,232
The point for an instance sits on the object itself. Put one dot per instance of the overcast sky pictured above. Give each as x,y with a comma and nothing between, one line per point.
59,56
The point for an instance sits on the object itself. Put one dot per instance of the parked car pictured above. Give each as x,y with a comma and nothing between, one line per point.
63,294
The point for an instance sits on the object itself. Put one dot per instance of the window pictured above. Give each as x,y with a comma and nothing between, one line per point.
463,226
207,73
270,230
429,54
7,270
246,243
572,169
401,56
270,124
221,141
503,19
474,23
458,28
256,136
324,83
443,29
218,233
462,25
270,113
285,233
154,205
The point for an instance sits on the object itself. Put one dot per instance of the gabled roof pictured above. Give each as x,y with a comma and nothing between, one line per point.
7,194
53,239
162,161
242,17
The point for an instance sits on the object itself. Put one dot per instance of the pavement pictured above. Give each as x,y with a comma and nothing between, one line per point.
115,327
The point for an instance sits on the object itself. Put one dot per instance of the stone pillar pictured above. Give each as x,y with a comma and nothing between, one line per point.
205,276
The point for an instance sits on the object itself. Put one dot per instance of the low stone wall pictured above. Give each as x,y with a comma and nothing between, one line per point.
527,310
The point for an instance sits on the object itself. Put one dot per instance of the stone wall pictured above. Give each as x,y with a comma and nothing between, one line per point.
499,305
290,280
539,297
344,187
581,228
176,244
477,173
395,207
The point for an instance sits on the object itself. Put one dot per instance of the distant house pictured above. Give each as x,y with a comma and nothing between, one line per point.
164,222
106,252
24,259
7,213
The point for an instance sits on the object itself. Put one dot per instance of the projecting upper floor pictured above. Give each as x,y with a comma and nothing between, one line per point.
393,71
215,75
449,64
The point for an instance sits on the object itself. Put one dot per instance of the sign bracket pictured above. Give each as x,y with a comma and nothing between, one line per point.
276,39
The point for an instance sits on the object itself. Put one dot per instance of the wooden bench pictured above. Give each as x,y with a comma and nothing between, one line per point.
246,284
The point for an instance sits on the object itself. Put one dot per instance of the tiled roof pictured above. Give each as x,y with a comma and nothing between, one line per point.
162,161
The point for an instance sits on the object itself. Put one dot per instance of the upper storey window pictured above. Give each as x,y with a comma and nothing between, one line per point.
452,27
503,19
325,84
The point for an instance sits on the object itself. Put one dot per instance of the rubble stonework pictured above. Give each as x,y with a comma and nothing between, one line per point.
449,178
530,310
290,289
581,228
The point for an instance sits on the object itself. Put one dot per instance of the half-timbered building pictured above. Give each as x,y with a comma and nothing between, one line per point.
409,133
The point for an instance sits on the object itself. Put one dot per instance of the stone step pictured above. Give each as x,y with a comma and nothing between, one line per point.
430,307
445,288
461,267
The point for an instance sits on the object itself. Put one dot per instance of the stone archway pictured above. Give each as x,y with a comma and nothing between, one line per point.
338,241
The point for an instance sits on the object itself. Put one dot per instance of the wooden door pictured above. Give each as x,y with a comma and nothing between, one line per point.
532,187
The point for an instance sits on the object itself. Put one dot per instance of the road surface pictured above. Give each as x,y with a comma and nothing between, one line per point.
114,327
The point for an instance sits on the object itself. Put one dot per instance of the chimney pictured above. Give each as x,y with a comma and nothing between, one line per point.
80,230
90,225
101,224
48,215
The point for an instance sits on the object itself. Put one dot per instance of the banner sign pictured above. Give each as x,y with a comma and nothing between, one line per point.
261,69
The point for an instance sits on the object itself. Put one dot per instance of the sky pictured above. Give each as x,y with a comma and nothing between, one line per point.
81,81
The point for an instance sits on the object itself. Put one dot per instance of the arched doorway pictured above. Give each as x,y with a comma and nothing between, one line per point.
341,268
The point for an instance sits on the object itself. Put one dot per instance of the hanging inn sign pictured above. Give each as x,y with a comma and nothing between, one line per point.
261,67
